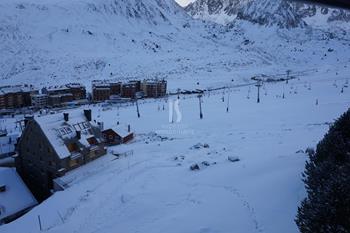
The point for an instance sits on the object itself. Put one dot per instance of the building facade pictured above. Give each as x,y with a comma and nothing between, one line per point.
105,90
18,96
129,90
40,100
58,95
154,88
101,91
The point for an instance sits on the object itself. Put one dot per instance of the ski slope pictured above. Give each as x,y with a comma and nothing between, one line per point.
154,190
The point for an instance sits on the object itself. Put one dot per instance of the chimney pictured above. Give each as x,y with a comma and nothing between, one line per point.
100,125
66,116
87,113
78,134
129,128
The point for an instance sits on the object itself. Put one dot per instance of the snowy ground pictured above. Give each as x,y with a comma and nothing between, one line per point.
153,190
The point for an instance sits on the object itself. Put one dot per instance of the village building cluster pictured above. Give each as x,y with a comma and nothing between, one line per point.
21,96
48,146
110,90
60,94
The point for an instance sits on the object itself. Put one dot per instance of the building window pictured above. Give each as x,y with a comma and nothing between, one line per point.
92,154
73,162
72,147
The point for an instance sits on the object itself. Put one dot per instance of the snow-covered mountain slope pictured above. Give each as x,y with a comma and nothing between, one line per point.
60,40
282,13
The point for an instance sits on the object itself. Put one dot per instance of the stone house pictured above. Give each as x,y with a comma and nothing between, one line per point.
54,144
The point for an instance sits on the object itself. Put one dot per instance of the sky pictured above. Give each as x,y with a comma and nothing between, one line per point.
184,2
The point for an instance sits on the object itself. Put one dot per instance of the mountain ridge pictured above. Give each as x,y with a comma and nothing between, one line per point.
283,13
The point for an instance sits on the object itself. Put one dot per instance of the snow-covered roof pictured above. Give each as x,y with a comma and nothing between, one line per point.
17,196
7,143
57,88
75,85
106,83
65,87
57,130
60,95
16,89
102,88
39,95
122,131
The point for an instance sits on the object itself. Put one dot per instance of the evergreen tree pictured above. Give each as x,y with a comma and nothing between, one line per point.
327,180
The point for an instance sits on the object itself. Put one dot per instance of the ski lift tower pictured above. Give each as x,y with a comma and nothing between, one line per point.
259,85
200,106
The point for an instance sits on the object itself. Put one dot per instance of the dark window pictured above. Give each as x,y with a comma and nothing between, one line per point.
73,147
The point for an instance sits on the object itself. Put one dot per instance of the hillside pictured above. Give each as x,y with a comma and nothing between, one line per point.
46,43
60,40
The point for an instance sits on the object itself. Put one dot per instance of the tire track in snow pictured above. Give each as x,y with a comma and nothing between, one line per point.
258,227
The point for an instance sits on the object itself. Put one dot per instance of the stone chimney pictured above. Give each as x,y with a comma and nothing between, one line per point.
88,114
78,134
100,125
66,116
